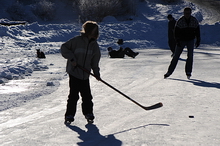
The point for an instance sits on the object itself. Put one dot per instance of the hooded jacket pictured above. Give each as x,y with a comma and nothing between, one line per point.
85,53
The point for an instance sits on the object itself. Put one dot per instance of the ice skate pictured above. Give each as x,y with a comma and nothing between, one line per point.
68,120
90,118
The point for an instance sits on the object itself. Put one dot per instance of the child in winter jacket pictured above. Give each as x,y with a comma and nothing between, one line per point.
81,51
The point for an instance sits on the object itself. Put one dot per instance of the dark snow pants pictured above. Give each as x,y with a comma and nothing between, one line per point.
83,87
178,51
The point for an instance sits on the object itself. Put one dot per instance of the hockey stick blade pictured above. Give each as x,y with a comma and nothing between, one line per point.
155,106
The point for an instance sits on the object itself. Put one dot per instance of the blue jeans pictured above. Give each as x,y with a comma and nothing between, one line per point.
178,51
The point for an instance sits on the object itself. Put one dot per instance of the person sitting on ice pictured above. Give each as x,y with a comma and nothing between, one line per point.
121,52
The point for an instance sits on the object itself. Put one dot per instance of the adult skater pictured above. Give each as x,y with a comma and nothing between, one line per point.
186,30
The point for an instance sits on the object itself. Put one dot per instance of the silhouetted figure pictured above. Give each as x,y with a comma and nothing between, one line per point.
121,52
186,30
82,50
40,54
171,39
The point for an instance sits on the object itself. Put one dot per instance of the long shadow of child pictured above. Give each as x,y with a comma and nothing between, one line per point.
92,137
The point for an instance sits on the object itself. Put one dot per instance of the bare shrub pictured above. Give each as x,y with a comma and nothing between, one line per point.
26,2
96,10
128,7
44,9
170,1
17,12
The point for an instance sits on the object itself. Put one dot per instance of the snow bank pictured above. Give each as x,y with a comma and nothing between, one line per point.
109,19
6,22
18,46
18,68
40,33
18,43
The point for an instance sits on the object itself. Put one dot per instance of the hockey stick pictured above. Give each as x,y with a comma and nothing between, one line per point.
158,105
